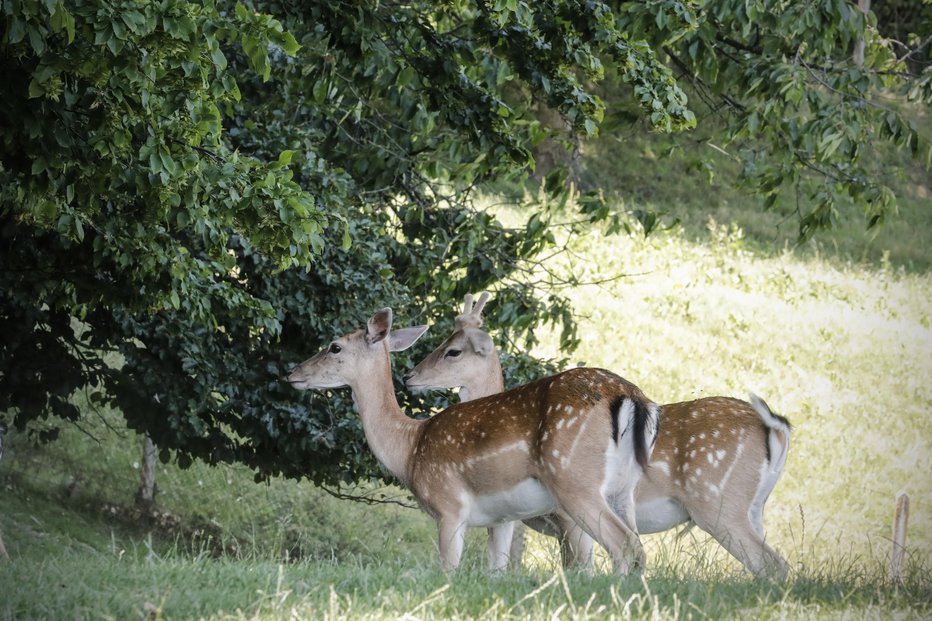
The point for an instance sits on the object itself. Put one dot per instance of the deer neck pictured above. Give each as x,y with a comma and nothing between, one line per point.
491,382
390,434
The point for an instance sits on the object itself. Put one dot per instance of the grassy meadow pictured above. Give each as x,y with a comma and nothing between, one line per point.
836,336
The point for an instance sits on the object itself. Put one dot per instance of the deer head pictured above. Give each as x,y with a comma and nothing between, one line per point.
356,356
454,363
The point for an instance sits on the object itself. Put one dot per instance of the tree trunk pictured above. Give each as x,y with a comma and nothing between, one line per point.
553,151
865,6
145,497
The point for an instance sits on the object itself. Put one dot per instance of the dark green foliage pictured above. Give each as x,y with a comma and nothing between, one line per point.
801,114
194,197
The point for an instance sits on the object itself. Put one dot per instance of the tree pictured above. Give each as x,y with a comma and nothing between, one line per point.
193,196
144,247
800,112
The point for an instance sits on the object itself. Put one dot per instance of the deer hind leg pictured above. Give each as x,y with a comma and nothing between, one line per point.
500,545
595,517
745,543
575,543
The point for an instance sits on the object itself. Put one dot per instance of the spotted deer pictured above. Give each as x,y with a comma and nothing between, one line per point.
577,441
715,462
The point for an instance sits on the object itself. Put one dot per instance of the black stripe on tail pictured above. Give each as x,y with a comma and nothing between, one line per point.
641,418
768,430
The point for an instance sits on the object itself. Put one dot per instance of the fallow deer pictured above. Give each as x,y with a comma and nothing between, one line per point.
715,462
577,441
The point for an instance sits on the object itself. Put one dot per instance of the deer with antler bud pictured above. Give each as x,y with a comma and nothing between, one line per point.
577,442
715,462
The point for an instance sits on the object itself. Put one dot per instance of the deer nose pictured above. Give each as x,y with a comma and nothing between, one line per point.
407,377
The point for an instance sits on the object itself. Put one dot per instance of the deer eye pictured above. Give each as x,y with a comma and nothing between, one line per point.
453,353
334,348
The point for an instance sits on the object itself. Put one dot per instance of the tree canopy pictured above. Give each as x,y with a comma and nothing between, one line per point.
193,196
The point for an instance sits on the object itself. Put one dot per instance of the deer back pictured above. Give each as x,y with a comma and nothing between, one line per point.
534,430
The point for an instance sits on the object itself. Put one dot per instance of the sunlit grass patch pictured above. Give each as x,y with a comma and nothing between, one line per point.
843,352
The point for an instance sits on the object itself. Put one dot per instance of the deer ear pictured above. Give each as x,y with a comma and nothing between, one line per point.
400,340
483,298
379,325
481,342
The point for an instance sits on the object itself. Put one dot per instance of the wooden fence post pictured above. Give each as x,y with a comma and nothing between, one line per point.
900,520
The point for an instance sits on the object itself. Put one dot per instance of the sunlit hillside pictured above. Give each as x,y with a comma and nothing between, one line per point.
844,352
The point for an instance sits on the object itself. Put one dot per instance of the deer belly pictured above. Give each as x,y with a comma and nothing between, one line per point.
525,500
659,514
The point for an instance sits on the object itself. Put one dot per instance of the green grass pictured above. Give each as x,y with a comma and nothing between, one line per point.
836,336
841,350
186,588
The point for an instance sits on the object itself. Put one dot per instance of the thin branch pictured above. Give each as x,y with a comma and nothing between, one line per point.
200,150
85,432
369,500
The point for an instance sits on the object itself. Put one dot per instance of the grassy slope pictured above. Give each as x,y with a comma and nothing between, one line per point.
843,353
842,349
667,174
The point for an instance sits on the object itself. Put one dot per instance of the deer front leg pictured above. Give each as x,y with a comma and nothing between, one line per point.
500,545
452,539
516,553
